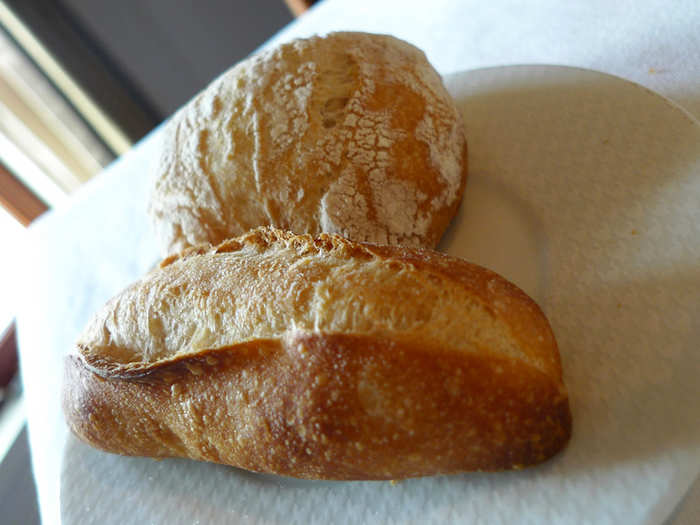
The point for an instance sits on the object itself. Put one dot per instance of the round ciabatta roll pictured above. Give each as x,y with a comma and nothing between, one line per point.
321,358
349,133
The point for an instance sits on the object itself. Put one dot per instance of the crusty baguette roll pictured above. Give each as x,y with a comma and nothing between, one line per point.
351,133
321,358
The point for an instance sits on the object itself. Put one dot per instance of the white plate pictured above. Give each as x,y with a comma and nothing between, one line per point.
585,191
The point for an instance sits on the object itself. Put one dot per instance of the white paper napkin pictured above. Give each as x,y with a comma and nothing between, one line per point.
585,191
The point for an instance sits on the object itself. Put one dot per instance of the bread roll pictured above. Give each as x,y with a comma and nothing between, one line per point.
321,358
351,133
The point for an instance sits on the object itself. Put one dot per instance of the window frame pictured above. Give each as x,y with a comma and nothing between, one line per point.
81,71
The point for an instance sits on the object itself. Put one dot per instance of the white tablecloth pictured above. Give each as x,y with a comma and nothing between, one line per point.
654,43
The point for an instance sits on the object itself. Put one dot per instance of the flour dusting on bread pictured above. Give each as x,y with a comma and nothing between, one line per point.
350,133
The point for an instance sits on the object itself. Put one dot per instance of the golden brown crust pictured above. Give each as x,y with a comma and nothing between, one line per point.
355,361
327,407
350,133
502,298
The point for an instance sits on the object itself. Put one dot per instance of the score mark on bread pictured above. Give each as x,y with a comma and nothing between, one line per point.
317,357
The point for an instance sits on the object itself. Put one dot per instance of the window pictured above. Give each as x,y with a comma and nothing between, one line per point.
46,152
48,148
